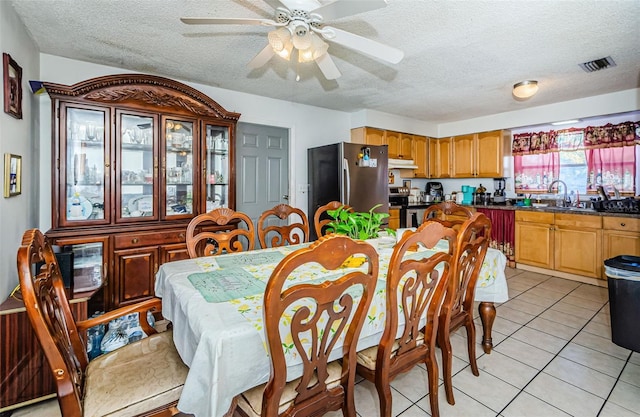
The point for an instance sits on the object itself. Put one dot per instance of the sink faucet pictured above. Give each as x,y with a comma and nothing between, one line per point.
565,199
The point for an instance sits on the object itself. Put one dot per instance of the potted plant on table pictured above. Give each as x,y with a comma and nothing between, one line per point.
358,225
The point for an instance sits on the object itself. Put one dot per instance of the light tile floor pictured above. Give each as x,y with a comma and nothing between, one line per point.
552,356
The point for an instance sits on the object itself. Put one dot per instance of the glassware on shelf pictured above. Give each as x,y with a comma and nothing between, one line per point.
84,162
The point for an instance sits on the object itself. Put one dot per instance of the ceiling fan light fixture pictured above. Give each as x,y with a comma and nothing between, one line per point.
525,89
278,38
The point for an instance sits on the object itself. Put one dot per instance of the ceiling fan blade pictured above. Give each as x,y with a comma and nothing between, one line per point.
275,3
361,44
262,58
342,8
328,67
226,21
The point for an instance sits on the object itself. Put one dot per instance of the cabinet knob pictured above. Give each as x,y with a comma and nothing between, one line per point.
181,236
623,224
134,240
107,165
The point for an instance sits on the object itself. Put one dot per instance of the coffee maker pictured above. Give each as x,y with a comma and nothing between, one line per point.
435,191
499,195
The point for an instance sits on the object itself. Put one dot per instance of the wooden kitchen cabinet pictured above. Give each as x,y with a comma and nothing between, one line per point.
463,156
420,156
478,155
534,239
134,158
566,242
406,148
578,244
394,144
490,153
439,158
620,236
369,136
394,219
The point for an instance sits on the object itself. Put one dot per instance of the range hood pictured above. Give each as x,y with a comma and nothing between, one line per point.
402,164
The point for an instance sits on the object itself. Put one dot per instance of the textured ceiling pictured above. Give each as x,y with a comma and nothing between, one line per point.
461,57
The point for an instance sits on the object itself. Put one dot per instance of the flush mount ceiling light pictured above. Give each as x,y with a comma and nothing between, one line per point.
525,89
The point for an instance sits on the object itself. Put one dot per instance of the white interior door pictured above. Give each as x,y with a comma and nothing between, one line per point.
262,165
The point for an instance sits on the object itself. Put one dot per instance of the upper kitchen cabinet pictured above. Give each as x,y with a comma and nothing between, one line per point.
479,155
439,158
420,156
369,136
135,153
400,145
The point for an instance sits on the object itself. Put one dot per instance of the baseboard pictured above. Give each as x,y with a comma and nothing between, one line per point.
565,275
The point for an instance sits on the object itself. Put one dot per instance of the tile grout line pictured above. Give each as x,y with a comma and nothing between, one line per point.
557,353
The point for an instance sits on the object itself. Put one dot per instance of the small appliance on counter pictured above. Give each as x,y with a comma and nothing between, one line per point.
499,195
435,190
467,193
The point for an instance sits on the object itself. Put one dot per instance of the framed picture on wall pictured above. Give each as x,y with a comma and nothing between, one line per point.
12,73
12,175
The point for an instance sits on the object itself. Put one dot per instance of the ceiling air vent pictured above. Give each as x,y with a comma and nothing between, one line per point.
598,64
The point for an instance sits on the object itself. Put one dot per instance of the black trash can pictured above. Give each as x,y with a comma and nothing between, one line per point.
623,276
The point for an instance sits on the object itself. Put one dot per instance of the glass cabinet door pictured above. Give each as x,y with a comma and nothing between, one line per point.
217,167
84,168
178,167
138,167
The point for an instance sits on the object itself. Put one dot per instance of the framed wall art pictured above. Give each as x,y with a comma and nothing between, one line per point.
12,86
12,175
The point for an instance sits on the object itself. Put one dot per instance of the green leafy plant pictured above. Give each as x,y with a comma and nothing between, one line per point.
357,225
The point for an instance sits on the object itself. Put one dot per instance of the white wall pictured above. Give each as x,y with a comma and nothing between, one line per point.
17,137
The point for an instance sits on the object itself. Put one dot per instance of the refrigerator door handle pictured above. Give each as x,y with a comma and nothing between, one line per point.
347,188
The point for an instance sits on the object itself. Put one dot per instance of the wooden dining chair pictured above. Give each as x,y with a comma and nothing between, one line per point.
471,247
310,319
216,242
448,213
143,377
415,291
321,218
273,235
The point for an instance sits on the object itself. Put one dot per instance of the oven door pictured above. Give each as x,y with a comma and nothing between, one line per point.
414,217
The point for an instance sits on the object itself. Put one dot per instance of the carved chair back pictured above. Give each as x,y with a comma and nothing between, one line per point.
321,218
273,235
208,243
333,310
440,212
471,248
48,309
416,287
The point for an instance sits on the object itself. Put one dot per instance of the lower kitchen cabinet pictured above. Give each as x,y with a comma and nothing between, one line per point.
574,243
578,244
534,239
621,236
394,219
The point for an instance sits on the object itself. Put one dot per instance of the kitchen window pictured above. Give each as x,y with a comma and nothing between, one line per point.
584,158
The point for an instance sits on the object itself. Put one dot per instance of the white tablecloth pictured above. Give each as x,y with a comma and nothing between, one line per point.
222,343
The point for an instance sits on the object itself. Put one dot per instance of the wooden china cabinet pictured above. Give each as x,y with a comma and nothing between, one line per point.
135,158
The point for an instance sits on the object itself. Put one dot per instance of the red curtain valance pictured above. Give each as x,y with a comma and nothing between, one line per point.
593,137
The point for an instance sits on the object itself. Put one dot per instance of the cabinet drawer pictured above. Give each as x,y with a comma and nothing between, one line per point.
534,217
628,224
579,221
131,240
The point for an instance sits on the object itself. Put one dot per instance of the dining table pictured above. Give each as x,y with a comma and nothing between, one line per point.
215,306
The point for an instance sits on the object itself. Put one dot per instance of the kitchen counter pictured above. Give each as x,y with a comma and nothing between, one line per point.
554,209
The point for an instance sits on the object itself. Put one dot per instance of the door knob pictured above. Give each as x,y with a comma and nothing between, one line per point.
285,197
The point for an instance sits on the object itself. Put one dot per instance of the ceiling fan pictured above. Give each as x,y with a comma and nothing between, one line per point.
300,26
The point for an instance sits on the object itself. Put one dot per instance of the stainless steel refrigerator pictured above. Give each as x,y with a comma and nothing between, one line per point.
353,173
